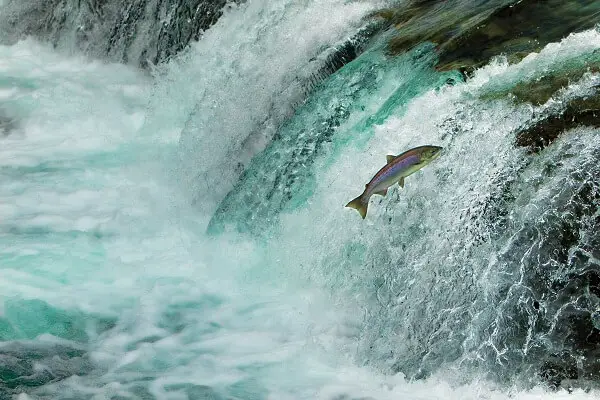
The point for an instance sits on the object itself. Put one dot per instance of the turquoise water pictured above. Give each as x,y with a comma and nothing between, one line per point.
111,289
342,111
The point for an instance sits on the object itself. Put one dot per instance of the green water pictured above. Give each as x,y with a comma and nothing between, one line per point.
110,287
342,111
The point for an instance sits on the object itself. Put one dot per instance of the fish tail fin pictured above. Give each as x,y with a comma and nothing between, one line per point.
359,206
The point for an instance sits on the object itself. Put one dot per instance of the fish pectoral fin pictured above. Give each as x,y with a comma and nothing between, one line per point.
401,182
390,158
382,192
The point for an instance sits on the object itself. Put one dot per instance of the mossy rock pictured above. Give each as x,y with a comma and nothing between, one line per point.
580,112
468,36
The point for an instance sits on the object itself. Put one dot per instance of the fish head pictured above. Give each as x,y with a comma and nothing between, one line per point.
430,153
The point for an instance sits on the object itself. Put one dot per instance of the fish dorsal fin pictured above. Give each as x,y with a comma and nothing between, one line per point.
390,158
401,182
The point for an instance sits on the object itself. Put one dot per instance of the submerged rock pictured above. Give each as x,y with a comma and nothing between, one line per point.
549,89
7,125
468,35
546,324
437,22
562,273
28,365
137,32
518,29
578,111
543,133
140,32
29,361
539,89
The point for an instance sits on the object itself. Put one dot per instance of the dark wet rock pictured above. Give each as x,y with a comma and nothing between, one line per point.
468,35
27,365
7,124
580,112
140,32
341,54
540,89
137,32
174,24
558,368
518,29
553,305
540,221
545,132
434,21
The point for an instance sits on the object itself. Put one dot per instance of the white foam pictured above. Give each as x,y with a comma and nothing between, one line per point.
225,311
233,87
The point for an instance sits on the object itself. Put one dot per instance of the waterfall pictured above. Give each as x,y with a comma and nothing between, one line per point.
174,175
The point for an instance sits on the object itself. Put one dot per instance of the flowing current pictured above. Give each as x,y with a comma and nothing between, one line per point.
180,234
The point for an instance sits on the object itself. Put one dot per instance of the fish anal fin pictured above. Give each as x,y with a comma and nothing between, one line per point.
390,158
381,192
359,206
401,182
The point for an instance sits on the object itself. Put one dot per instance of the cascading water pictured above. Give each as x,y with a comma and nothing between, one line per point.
139,32
342,110
284,45
478,279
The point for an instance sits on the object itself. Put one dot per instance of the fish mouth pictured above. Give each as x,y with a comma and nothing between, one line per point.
437,154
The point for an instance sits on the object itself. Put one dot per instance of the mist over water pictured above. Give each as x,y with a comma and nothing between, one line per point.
259,89
111,287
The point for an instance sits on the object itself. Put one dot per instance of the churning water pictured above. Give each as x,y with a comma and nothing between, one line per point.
137,261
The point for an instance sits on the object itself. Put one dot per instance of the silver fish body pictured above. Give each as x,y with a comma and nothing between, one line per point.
397,168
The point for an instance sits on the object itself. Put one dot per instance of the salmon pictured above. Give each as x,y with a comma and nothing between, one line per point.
397,168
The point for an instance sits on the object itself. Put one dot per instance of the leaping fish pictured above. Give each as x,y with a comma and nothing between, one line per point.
397,168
